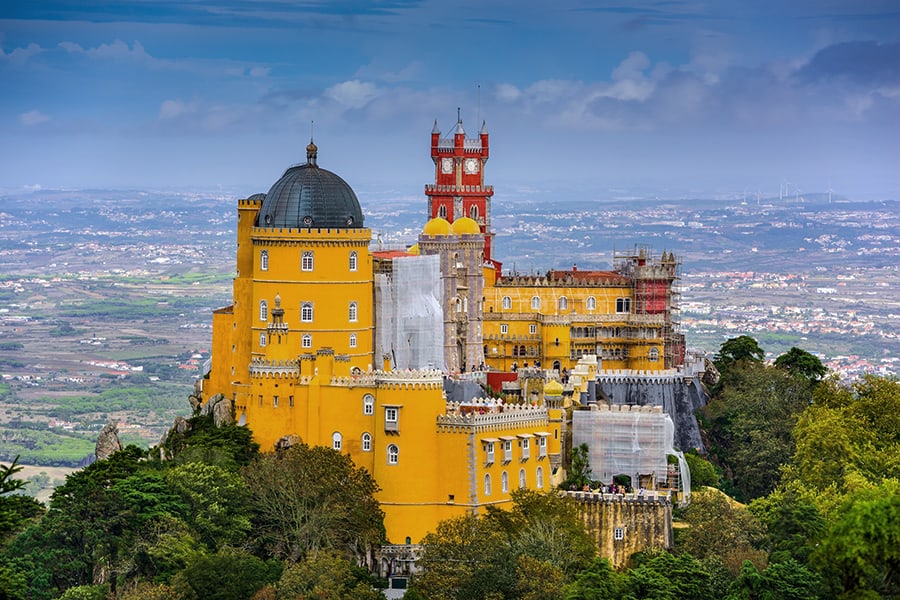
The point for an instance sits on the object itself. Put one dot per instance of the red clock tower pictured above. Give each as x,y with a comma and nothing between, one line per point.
459,189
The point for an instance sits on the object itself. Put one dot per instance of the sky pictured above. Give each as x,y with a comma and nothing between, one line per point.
588,100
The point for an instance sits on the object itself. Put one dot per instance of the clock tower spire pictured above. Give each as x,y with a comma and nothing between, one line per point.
459,190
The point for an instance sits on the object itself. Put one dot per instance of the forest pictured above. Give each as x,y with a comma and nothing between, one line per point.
798,497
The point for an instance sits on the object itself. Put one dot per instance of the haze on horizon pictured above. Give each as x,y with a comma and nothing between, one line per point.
673,96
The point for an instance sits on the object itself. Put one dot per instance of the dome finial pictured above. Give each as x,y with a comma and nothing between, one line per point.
311,150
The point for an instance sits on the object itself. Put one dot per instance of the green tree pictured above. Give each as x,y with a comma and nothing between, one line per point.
703,473
597,582
327,576
580,469
666,575
308,499
16,510
793,526
802,363
229,574
738,349
537,579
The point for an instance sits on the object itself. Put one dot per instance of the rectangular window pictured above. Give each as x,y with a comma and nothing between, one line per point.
619,533
274,401
532,329
507,450
526,448
290,401
623,305
391,416
489,452
306,261
542,446
504,329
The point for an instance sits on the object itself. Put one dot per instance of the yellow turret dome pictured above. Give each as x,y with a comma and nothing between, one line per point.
437,226
414,249
553,388
465,225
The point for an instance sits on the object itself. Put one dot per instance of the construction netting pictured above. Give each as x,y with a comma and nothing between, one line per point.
634,441
409,327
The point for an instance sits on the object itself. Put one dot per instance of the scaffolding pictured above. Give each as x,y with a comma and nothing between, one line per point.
410,319
634,441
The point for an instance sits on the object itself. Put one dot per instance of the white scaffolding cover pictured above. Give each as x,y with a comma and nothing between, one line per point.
628,440
410,323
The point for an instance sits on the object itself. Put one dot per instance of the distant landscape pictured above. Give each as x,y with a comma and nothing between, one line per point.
105,296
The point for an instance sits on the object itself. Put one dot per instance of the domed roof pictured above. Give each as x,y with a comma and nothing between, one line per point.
553,388
437,226
307,196
414,250
465,225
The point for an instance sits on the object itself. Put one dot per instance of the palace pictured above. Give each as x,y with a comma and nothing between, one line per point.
388,355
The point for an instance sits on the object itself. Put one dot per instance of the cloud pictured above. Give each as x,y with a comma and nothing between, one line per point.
33,117
352,94
172,109
259,71
19,56
380,72
118,50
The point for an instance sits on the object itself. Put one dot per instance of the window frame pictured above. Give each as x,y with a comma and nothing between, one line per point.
306,341
393,454
366,442
368,404
506,303
307,312
353,312
337,441
307,261
263,260
353,261
263,310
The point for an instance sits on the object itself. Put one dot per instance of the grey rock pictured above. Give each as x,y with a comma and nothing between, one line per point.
108,441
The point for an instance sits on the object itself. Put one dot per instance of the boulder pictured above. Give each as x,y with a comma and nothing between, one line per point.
108,441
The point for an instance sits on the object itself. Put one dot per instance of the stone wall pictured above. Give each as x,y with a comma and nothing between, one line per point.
622,524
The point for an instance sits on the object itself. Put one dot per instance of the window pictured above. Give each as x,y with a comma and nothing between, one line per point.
623,305
535,303
539,478
264,260
487,484
654,354
262,339
526,448
353,340
489,452
263,310
442,211
366,442
306,261
506,303
336,440
532,329
522,480
274,401
591,303
473,212
619,533
507,450
306,341
563,303
391,415
353,312
393,454
504,482
354,260
542,446
306,312
291,401
368,404
504,329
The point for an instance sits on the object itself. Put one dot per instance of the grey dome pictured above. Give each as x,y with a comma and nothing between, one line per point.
307,196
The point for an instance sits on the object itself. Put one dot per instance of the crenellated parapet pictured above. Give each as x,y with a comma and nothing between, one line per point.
663,377
413,379
282,369
607,280
484,414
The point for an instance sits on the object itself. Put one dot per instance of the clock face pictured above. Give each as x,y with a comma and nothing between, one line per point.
446,165
471,165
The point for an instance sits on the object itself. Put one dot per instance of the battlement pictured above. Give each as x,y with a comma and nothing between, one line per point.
260,367
664,377
410,379
485,414
606,279
648,497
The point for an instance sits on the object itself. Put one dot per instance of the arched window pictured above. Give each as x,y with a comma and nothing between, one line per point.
336,440
306,341
306,312
563,303
264,260
473,212
442,211
353,340
366,442
393,454
487,484
591,303
262,339
368,404
353,312
539,478
354,259
654,354
504,482
263,310
522,478
506,303
306,261
535,303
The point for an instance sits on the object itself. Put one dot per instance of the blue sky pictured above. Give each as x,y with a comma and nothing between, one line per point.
581,98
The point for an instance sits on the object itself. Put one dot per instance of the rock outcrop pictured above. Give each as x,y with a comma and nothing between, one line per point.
108,441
